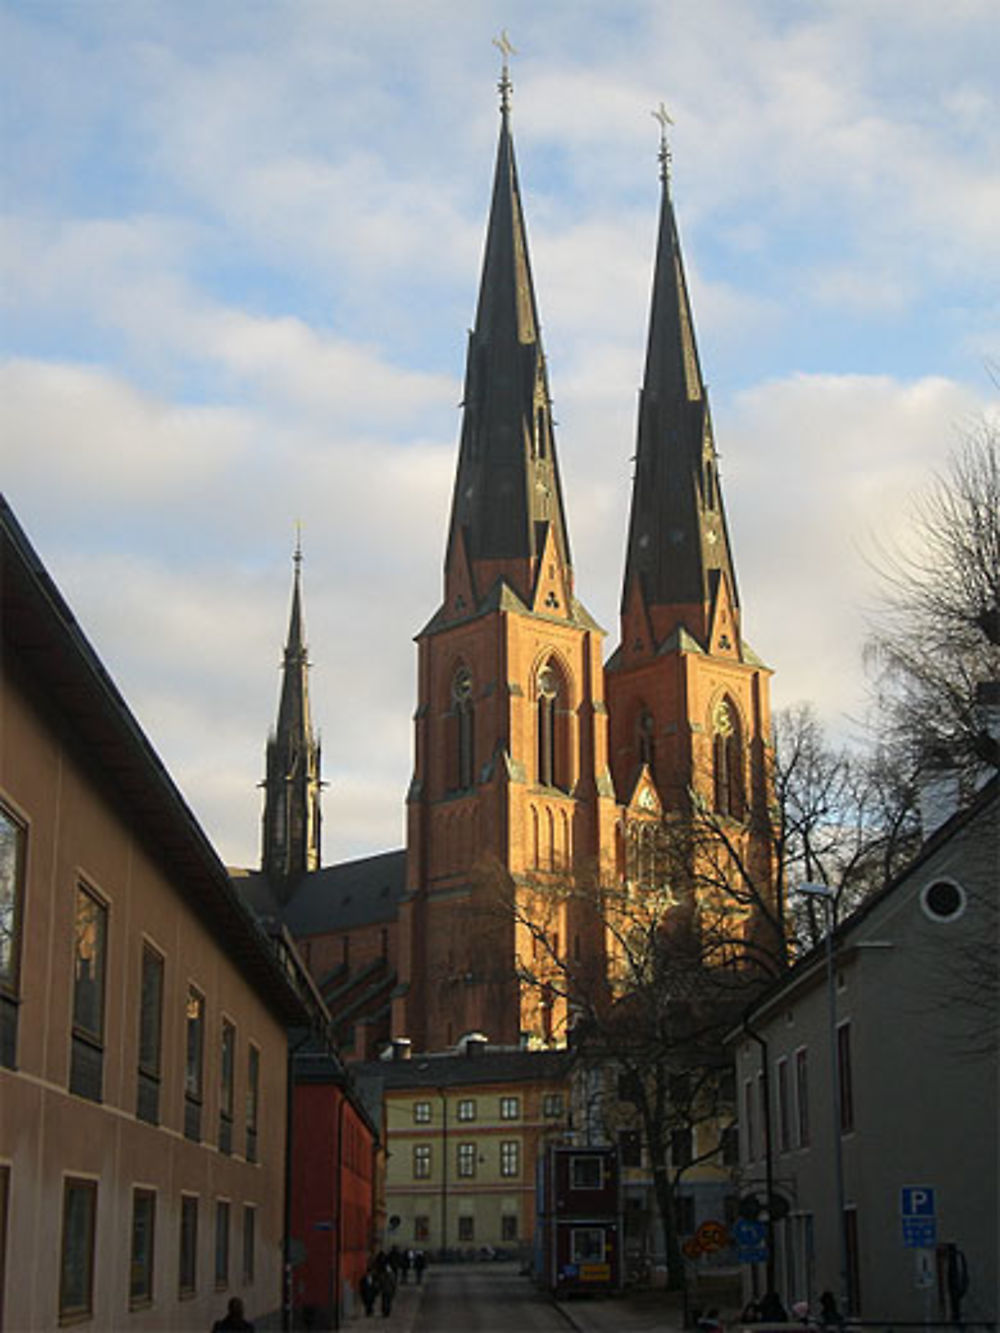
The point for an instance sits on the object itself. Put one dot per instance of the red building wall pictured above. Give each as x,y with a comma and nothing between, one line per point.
333,1153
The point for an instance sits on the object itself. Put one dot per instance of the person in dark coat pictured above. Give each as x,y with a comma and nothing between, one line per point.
771,1309
234,1322
419,1264
386,1280
369,1290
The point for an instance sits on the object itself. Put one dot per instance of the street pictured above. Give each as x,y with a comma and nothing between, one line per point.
485,1298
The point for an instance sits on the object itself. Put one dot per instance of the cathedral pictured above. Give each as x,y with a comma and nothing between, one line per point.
535,756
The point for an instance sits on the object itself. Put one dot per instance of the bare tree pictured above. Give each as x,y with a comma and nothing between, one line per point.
935,647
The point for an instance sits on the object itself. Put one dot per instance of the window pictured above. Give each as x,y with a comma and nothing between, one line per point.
685,1214
510,1108
422,1227
467,1109
227,1074
188,1277
944,900
89,963
462,758
681,1147
586,1172
853,1255
727,760
784,1118
76,1268
510,1157
846,1078
422,1161
586,1245
12,840
552,1105
729,1146
421,1113
466,1159
150,1035
802,1096
194,1063
551,727
221,1244
249,1244
466,1228
646,739
630,1147
253,1101
508,1228
140,1288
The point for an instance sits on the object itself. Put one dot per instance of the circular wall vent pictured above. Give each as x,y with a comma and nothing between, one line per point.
944,900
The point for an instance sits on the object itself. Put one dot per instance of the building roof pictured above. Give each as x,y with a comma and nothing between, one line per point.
678,542
810,967
450,1069
508,493
59,669
363,892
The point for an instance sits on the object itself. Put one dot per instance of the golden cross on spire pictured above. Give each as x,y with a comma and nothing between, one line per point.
503,45
662,115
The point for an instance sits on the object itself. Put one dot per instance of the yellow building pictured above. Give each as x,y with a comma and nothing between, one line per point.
463,1130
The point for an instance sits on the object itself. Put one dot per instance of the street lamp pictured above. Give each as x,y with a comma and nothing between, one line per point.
829,898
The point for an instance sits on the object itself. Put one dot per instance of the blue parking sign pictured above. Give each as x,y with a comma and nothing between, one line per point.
916,1205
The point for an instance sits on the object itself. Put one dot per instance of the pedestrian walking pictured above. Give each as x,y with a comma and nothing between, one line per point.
419,1264
234,1321
387,1289
369,1290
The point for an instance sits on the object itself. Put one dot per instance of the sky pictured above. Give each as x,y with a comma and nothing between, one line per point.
241,247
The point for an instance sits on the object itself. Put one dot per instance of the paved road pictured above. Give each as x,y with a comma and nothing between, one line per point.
484,1298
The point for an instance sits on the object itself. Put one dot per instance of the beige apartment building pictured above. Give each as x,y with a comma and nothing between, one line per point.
143,1014
463,1130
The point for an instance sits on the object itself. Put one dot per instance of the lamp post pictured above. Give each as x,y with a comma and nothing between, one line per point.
827,894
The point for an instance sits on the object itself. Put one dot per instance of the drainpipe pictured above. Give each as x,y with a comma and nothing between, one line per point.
768,1149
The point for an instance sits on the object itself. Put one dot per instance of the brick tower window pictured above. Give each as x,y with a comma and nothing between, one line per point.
462,728
727,761
551,728
646,740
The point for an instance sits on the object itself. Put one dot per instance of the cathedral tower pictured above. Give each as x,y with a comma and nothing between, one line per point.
290,843
510,782
688,699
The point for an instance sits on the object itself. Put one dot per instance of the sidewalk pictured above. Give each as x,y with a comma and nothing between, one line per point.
637,1312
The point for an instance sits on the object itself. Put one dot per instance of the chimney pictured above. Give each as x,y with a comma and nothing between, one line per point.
401,1048
475,1043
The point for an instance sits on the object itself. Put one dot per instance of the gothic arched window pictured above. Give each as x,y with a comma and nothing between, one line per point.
727,761
462,746
551,727
645,740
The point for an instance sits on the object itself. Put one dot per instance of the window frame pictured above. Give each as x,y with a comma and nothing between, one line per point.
249,1246
784,1107
802,1127
422,1161
466,1109
140,1297
12,877
86,1187
510,1158
510,1107
227,1084
466,1154
187,1253
421,1113
86,1071
584,1159
581,1234
252,1103
194,1062
149,1058
845,1078
223,1236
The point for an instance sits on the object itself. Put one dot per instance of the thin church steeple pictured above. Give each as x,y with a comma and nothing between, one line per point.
292,787
507,501
678,555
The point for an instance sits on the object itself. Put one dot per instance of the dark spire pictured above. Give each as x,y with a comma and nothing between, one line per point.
507,491
291,841
678,544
